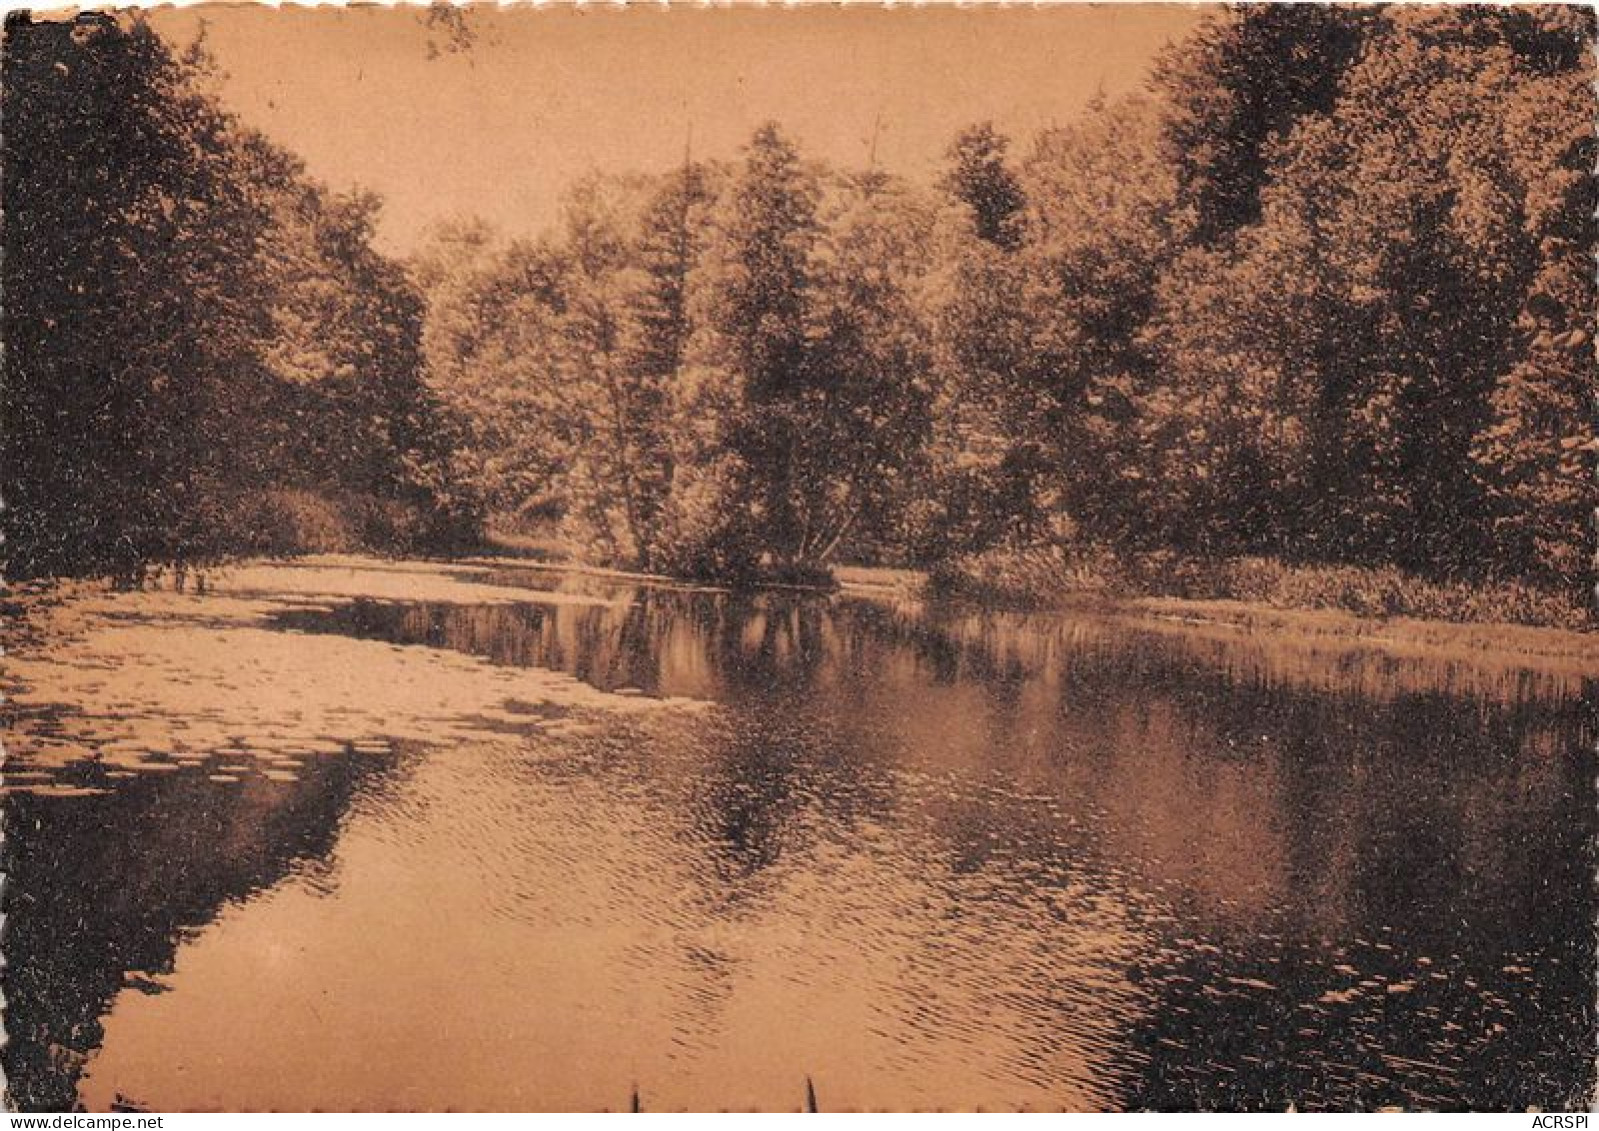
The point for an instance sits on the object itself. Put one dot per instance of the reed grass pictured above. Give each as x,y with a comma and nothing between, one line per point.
1042,577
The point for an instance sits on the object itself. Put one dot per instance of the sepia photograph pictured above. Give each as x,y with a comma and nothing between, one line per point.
817,558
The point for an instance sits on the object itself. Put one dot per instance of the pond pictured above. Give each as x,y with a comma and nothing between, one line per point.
408,836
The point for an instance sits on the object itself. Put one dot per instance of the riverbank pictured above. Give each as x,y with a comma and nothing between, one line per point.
1299,646
63,638
1043,578
103,683
1321,605
1560,651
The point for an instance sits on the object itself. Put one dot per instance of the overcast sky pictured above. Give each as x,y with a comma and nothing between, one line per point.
367,97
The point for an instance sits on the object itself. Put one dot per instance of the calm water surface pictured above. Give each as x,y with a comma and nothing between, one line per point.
927,858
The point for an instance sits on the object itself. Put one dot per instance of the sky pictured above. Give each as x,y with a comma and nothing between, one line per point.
376,97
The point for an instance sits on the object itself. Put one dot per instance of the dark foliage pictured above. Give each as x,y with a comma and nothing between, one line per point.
188,321
1323,294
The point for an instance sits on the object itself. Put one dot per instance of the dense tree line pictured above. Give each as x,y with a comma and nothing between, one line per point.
203,353
1322,292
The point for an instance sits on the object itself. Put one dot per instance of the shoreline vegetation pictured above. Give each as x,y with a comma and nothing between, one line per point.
1555,645
1251,594
1043,578
1332,608
1316,631
1249,334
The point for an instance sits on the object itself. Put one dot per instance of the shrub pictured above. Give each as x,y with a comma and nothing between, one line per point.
1038,576
287,521
283,522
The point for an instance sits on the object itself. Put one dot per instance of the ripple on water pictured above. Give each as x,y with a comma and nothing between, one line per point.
958,862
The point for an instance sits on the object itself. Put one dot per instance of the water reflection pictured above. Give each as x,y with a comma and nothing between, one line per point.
106,888
927,857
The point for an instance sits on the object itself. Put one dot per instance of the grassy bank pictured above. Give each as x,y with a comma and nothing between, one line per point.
1044,578
1318,607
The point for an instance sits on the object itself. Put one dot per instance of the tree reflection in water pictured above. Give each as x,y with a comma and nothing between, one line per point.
106,888
930,856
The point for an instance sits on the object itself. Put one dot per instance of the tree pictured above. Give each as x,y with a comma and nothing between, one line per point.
1334,365
1235,89
868,402
374,430
192,326
988,479
129,267
1535,457
739,482
493,343
669,247
1224,436
981,179
1105,223
618,463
